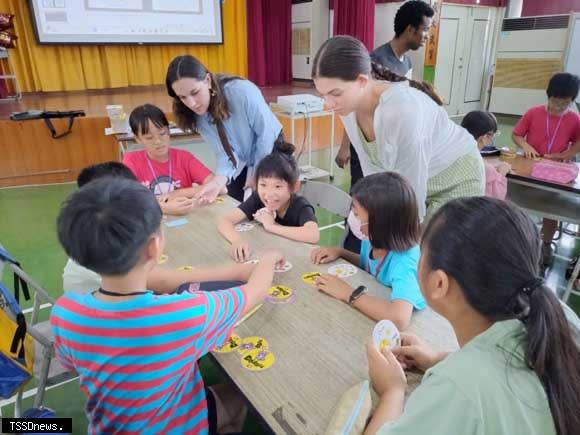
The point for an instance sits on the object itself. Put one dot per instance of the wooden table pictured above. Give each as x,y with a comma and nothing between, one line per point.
318,342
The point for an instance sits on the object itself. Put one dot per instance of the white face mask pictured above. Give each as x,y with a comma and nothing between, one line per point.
355,225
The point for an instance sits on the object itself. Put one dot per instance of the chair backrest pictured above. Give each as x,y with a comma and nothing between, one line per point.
327,196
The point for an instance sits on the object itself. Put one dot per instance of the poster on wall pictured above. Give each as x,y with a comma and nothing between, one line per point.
431,48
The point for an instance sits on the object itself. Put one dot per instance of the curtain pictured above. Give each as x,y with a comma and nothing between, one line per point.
269,41
355,19
68,67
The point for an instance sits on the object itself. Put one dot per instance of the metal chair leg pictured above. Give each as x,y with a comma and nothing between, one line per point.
43,376
570,285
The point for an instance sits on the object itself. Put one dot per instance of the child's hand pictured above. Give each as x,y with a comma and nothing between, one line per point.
335,287
385,372
265,217
177,206
240,251
276,256
530,152
324,255
414,353
503,168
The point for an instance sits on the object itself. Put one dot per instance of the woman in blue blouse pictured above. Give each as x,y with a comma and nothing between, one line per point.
231,115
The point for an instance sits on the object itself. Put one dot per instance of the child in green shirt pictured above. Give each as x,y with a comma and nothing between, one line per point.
518,367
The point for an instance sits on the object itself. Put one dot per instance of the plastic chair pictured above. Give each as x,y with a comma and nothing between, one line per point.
327,196
46,371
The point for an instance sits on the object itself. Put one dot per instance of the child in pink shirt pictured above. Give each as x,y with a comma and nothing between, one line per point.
551,131
173,175
483,127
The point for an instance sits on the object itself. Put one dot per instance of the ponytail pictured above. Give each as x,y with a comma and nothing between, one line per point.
491,248
552,353
380,72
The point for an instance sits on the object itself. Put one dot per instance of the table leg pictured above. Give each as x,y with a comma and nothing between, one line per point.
332,146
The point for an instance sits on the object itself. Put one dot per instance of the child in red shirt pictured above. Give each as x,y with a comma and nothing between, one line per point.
173,175
551,132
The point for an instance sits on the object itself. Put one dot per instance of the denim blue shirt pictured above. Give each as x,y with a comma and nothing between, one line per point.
251,129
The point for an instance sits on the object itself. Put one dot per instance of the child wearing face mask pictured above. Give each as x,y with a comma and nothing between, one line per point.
386,216
483,127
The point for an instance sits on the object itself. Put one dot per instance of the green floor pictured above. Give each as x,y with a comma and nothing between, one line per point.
27,230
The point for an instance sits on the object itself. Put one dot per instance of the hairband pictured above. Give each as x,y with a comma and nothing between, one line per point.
531,285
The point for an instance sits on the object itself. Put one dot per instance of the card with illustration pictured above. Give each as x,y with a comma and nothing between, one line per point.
231,344
163,259
249,344
258,360
243,227
280,294
182,268
284,267
342,270
386,336
311,277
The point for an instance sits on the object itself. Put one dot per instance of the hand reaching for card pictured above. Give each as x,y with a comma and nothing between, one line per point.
324,255
414,353
240,252
385,372
210,190
177,206
335,287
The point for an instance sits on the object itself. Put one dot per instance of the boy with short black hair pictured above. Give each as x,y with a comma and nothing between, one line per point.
136,352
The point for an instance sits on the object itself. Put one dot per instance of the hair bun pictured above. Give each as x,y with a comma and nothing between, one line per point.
283,147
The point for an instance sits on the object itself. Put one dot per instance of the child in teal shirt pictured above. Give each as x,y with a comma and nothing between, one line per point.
386,218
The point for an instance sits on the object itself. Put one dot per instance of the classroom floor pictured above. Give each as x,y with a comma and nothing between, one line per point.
27,230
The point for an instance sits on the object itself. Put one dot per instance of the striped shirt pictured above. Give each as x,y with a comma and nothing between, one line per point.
137,359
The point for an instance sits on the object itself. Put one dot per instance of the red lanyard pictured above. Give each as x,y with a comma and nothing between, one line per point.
379,266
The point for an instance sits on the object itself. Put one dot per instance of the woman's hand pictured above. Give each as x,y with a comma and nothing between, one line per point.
210,190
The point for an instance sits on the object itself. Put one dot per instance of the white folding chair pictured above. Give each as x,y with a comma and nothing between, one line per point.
46,371
327,196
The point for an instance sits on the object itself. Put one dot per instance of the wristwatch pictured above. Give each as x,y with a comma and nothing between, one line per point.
357,293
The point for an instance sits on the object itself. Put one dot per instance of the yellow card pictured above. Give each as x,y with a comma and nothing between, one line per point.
258,360
230,345
219,200
185,268
249,344
311,277
279,293
163,259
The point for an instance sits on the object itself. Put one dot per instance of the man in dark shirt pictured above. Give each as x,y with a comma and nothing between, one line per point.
412,24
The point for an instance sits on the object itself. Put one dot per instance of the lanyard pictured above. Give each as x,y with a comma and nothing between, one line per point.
551,141
155,174
379,266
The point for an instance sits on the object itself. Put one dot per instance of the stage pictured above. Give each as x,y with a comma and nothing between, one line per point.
31,156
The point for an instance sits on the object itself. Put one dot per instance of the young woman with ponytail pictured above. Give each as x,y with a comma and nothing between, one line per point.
398,125
231,115
518,367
